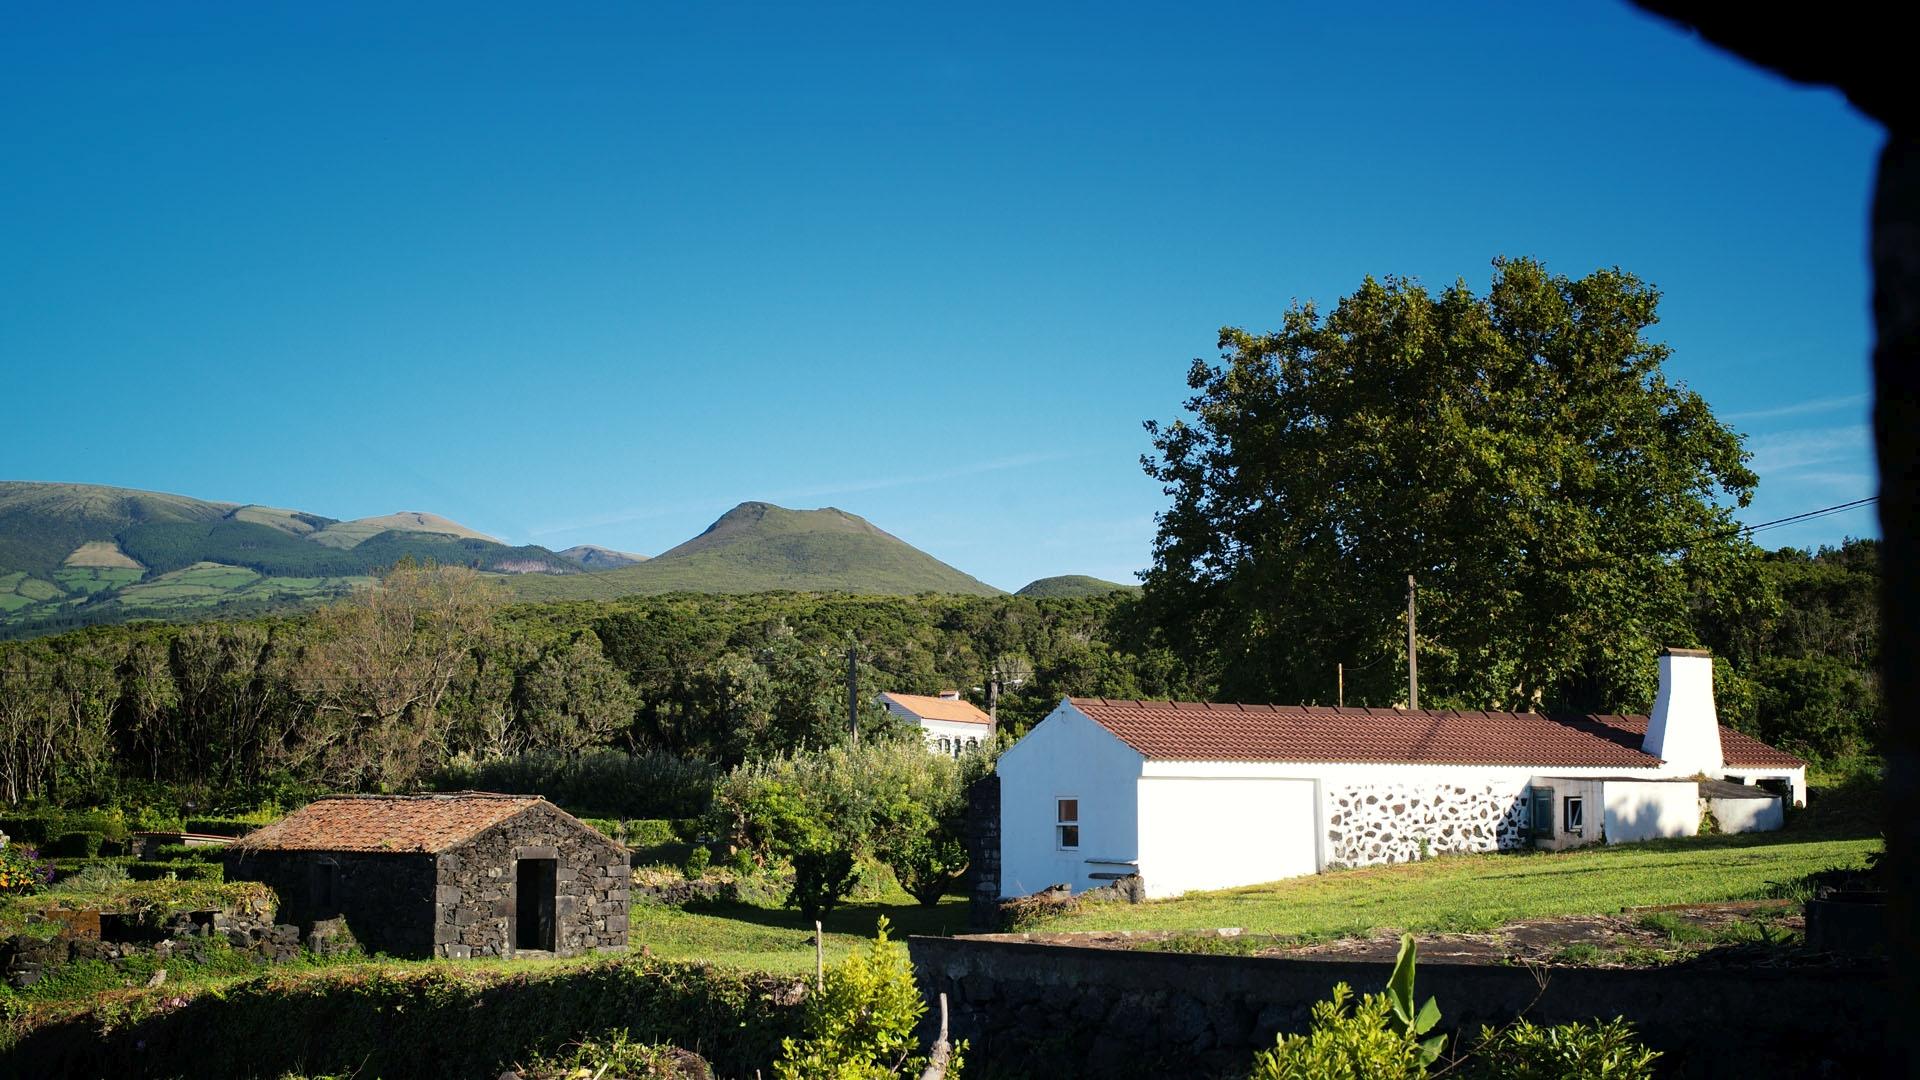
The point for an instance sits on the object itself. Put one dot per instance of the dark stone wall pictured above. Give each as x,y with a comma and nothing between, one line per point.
475,889
386,899
983,852
1061,1011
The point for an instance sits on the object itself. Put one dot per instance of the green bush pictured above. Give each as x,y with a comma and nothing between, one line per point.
823,813
697,862
1525,1051
1379,1039
604,782
222,826
652,832
181,870
859,1024
369,1020
76,845
213,853
1347,1042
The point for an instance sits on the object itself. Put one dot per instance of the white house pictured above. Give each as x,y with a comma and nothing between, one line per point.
1206,796
951,724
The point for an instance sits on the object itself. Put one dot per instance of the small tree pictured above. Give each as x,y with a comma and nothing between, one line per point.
859,1024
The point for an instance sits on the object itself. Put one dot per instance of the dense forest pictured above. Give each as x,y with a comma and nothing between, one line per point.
433,673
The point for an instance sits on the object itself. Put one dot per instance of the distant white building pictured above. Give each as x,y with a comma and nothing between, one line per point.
951,724
1207,796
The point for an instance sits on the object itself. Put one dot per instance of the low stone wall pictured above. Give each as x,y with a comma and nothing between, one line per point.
1064,1011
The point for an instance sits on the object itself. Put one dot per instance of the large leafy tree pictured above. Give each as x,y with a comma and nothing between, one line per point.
1562,504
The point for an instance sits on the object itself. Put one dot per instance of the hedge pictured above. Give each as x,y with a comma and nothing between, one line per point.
425,1021
183,869
49,825
212,853
220,826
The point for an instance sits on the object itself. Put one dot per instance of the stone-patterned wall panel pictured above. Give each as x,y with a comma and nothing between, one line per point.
1387,823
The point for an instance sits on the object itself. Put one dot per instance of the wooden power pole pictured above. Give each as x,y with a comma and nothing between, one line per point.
993,697
1340,685
1413,652
853,694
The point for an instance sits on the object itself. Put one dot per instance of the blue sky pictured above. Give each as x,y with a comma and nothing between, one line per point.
596,273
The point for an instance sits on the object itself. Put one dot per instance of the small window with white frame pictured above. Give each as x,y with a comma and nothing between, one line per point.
1574,815
1066,824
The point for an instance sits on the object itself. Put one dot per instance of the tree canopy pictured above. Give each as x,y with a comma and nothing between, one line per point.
1563,505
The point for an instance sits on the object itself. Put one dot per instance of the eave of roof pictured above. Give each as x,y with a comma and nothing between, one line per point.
1195,731
388,824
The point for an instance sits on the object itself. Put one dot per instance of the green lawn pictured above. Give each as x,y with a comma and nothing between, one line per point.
776,939
1478,892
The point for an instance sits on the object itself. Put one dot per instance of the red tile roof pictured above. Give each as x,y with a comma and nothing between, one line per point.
935,708
1189,731
397,823
1741,751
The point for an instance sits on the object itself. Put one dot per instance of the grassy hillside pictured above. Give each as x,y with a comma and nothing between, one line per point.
595,557
759,547
80,554
1048,588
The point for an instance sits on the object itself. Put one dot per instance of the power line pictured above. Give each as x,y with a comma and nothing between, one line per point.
1810,515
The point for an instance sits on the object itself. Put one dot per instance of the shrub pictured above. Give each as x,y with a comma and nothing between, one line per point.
617,1058
76,845
823,813
222,826
94,877
697,862
1525,1051
1347,1042
179,870
610,783
22,870
859,1024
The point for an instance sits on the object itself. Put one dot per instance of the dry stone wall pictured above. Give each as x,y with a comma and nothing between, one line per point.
1402,822
475,889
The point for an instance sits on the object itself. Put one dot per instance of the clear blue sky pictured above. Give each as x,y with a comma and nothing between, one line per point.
596,273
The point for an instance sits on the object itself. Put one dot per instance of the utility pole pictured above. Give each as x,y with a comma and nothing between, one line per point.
993,696
853,694
1340,685
1413,654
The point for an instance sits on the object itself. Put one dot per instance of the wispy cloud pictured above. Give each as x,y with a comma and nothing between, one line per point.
1018,461
1803,408
622,517
1791,451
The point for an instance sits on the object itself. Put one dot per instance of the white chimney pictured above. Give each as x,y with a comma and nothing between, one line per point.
1684,730
949,695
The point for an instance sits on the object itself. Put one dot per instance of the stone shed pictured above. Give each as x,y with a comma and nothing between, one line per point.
458,874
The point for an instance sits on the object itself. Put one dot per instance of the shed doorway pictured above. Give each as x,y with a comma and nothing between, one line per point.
534,887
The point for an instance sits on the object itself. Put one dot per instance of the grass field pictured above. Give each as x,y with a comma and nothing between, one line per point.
1478,892
776,939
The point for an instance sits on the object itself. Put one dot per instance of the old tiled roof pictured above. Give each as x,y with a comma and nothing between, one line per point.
1740,751
1188,731
397,823
934,708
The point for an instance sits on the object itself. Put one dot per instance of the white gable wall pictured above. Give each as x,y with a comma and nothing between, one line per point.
1066,756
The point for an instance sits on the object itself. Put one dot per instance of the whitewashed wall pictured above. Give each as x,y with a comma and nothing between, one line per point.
1650,810
955,732
1747,815
1066,756
1215,833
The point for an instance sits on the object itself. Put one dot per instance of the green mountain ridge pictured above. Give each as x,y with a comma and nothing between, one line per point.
760,547
1070,585
77,554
